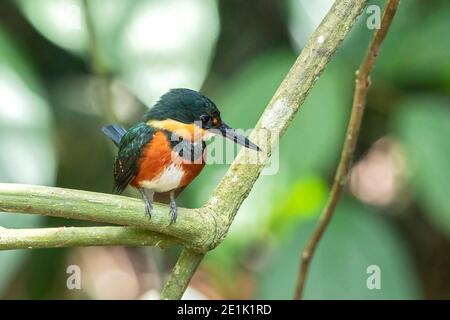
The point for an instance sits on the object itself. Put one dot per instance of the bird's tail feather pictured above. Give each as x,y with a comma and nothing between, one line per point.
114,132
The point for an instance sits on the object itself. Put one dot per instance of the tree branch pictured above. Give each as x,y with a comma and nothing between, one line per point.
194,228
359,101
241,176
85,236
199,230
182,274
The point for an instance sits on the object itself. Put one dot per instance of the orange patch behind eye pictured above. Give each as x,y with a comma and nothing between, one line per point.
184,130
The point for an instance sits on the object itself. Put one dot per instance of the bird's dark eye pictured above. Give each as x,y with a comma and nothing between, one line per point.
205,118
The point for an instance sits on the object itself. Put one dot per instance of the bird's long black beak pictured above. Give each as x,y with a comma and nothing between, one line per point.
231,134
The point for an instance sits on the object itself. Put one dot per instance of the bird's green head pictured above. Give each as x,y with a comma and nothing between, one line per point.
188,110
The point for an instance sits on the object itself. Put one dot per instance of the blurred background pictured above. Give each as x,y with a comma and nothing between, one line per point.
63,76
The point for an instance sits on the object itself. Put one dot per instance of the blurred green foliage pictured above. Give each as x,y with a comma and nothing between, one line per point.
338,271
27,152
152,45
49,123
425,135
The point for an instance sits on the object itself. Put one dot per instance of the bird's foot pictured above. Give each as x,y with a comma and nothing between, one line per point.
148,209
173,211
148,202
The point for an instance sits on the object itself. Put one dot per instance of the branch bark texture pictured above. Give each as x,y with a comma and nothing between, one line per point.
83,236
194,228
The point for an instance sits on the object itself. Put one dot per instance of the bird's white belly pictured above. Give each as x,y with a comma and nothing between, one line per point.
169,179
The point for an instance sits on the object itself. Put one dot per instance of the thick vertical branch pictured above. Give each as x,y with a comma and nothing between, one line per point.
241,176
359,101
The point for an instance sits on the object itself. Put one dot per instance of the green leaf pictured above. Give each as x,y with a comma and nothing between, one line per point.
356,239
304,199
415,51
422,124
245,96
315,138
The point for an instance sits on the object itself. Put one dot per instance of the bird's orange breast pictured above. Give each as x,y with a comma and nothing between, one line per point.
158,158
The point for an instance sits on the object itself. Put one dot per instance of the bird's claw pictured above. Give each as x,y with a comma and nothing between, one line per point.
173,212
148,202
148,209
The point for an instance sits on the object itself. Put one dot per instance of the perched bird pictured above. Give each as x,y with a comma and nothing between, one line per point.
166,151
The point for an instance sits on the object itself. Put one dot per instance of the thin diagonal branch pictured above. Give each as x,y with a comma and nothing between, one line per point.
80,236
359,101
242,174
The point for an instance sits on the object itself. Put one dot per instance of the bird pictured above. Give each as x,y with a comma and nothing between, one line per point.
166,150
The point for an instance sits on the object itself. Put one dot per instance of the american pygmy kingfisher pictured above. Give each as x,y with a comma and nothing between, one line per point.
166,151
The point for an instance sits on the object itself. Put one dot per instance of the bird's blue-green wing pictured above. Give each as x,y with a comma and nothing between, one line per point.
131,147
